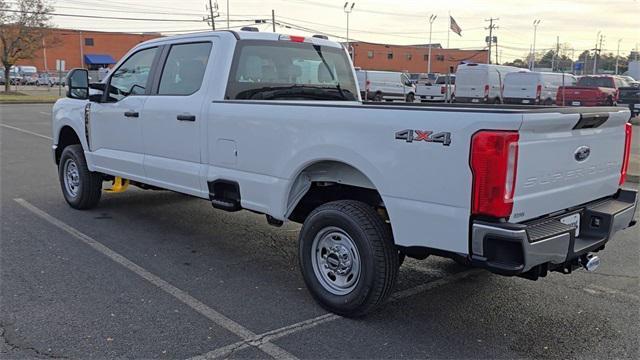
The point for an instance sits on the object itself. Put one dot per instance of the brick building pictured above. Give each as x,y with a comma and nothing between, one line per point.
413,58
80,48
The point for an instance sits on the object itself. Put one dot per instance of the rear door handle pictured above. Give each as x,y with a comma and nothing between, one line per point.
132,114
186,118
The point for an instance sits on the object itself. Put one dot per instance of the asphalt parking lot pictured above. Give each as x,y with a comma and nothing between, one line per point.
154,274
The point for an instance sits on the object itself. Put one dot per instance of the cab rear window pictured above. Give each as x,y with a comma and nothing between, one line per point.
587,81
283,70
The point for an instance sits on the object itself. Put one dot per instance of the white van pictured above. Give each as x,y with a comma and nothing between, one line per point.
385,85
540,88
481,83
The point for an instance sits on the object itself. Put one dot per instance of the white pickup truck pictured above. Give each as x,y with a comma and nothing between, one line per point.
274,124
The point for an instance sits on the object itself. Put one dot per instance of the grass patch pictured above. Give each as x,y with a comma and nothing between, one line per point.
14,97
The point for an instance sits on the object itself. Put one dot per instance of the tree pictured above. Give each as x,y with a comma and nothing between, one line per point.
22,28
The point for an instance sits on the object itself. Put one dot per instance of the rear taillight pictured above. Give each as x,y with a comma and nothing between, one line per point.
494,164
368,85
486,91
538,92
628,132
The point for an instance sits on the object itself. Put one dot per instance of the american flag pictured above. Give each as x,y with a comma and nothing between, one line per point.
454,26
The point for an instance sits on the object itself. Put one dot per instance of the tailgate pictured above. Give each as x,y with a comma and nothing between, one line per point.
563,164
519,92
582,93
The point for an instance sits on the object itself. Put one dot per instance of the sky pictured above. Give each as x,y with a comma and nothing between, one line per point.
577,23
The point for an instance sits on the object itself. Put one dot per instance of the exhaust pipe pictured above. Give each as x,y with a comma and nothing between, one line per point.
589,262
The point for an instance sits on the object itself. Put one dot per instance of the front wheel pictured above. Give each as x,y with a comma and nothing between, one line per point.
81,188
347,257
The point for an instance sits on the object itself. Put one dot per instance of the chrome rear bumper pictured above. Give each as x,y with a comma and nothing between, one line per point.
547,244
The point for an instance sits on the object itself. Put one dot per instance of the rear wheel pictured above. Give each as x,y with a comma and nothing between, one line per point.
411,98
377,97
347,257
81,188
548,102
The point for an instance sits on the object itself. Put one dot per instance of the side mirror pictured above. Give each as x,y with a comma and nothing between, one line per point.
78,82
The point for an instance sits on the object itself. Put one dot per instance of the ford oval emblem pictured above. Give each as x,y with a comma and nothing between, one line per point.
582,153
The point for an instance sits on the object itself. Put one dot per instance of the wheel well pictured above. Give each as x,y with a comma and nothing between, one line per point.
67,137
328,181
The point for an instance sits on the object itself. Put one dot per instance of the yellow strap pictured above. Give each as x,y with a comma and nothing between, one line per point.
119,185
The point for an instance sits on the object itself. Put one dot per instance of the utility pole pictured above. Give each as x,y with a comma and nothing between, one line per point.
618,55
533,52
228,20
490,39
595,53
273,19
348,10
432,18
213,14
555,62
497,59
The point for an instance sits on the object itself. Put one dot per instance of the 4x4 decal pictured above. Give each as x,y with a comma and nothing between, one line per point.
410,136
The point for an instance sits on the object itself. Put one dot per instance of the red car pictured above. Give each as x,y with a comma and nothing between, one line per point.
595,90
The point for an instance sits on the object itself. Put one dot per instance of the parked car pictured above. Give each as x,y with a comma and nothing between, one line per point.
591,90
386,85
629,96
14,76
443,89
481,83
28,74
538,88
511,191
2,77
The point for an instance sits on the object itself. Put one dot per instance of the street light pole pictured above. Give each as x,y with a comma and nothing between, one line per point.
533,53
595,54
432,18
347,10
228,20
618,55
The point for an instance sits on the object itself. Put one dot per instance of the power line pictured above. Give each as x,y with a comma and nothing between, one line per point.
117,18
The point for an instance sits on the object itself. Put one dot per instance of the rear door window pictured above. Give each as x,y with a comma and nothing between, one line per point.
184,69
283,70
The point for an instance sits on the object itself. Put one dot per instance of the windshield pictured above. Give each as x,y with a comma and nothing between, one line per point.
283,70
589,81
443,80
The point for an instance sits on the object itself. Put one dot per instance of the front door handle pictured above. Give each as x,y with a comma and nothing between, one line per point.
132,114
186,118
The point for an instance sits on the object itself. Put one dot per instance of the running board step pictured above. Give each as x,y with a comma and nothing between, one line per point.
226,205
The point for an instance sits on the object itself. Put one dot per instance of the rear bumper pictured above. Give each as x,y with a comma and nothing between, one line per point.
481,100
521,101
426,98
533,248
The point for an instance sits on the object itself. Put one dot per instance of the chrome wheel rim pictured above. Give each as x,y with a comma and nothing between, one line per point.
336,261
71,176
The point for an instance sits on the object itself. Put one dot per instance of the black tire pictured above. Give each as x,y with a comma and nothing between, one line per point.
378,97
378,257
88,186
411,98
548,102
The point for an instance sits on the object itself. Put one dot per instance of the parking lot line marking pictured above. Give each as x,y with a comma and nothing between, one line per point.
26,131
271,349
276,334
